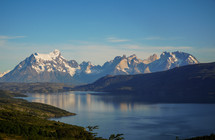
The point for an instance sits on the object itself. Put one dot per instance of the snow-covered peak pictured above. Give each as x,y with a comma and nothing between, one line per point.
52,62
48,57
169,60
89,68
193,60
122,65
55,53
53,67
166,54
153,57
150,59
2,74
188,58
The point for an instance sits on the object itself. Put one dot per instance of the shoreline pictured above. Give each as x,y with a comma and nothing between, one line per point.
20,119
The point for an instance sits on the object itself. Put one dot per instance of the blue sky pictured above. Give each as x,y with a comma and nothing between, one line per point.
99,30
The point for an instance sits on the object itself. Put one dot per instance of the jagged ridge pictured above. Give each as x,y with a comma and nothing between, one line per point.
53,67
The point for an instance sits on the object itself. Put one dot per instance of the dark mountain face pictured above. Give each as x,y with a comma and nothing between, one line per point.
192,83
53,67
73,63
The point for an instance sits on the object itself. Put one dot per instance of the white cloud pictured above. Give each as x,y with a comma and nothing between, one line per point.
116,40
154,38
174,47
10,37
161,38
147,47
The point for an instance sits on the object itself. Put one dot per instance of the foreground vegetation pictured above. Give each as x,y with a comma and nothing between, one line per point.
20,119
211,137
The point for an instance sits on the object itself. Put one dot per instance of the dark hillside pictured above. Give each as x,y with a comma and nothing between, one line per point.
192,83
35,87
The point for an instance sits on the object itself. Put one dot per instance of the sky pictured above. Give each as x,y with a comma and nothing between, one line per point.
99,30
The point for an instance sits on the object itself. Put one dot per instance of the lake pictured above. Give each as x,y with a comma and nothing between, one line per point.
125,114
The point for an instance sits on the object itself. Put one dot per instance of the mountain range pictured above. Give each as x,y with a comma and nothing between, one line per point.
191,84
53,67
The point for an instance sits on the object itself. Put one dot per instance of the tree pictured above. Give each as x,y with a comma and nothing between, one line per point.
91,128
116,137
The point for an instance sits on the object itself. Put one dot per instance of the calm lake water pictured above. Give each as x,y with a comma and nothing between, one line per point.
135,119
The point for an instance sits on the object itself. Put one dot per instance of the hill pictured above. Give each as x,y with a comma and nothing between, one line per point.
191,83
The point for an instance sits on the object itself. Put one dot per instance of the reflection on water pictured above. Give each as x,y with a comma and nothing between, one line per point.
59,100
136,119
81,101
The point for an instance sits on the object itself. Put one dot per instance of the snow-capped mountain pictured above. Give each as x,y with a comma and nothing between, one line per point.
50,67
52,62
53,67
122,65
170,60
88,68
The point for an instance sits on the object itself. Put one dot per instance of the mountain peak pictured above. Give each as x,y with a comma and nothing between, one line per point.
166,54
86,63
52,67
152,57
55,52
4,73
132,56
48,57
179,56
